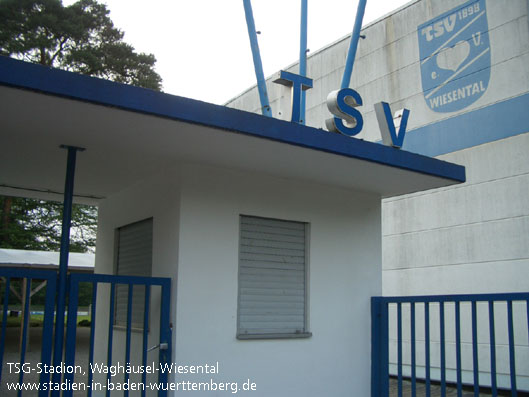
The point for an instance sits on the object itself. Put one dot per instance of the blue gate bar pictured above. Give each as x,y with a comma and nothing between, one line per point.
427,347
442,341
4,323
475,364
399,347
165,334
25,330
492,337
458,349
512,360
110,330
92,337
145,334
71,333
47,329
303,56
351,54
515,296
413,352
380,349
127,340
258,66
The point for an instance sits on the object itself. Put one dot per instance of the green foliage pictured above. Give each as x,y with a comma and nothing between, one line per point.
79,38
36,225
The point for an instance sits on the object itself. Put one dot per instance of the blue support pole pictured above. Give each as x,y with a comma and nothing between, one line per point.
346,79
303,55
63,260
261,85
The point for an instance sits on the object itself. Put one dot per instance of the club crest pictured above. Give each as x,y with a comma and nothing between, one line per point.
454,53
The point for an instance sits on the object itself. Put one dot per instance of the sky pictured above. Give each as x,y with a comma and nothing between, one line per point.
202,46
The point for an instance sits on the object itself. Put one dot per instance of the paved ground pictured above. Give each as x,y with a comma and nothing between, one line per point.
11,354
436,390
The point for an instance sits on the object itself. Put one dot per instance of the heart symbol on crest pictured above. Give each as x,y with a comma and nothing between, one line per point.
451,58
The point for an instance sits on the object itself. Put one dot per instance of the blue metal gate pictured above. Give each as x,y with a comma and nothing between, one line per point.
29,275
163,344
56,381
454,341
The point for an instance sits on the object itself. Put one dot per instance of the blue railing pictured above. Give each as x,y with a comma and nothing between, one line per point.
112,281
153,295
29,275
449,346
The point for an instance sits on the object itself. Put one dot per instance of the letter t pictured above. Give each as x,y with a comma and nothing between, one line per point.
297,83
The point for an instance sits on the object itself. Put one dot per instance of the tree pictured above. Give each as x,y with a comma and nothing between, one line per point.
36,225
80,38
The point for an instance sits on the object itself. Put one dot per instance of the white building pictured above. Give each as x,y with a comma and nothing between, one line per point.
269,231
461,68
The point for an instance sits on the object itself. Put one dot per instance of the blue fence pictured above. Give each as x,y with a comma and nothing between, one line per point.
112,341
163,344
30,276
429,338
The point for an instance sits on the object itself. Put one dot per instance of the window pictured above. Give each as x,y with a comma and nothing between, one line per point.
133,258
272,279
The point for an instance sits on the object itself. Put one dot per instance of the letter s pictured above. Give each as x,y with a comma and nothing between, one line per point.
342,104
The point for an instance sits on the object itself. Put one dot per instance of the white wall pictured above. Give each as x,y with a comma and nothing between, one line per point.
158,198
196,231
344,273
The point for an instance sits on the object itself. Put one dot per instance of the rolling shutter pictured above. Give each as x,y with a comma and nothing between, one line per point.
134,258
272,277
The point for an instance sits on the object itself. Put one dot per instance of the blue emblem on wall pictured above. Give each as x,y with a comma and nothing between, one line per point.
454,53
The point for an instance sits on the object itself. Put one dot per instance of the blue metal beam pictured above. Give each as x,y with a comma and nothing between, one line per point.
261,84
63,259
348,71
303,55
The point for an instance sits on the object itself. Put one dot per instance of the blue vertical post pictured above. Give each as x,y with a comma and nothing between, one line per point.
458,350
427,347
71,333
303,55
399,348
512,359
413,351
258,66
442,346
92,337
379,348
63,260
492,336
475,362
348,71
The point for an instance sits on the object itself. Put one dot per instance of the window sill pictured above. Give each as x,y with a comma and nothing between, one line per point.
300,335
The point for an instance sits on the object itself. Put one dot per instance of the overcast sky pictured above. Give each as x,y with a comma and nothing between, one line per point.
202,46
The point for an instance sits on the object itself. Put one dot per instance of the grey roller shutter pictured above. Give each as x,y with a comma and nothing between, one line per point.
134,258
272,277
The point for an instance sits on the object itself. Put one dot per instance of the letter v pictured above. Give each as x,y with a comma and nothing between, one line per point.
387,125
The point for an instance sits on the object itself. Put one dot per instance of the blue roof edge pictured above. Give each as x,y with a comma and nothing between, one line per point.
57,82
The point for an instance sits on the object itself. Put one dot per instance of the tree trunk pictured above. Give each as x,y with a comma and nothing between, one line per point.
6,218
